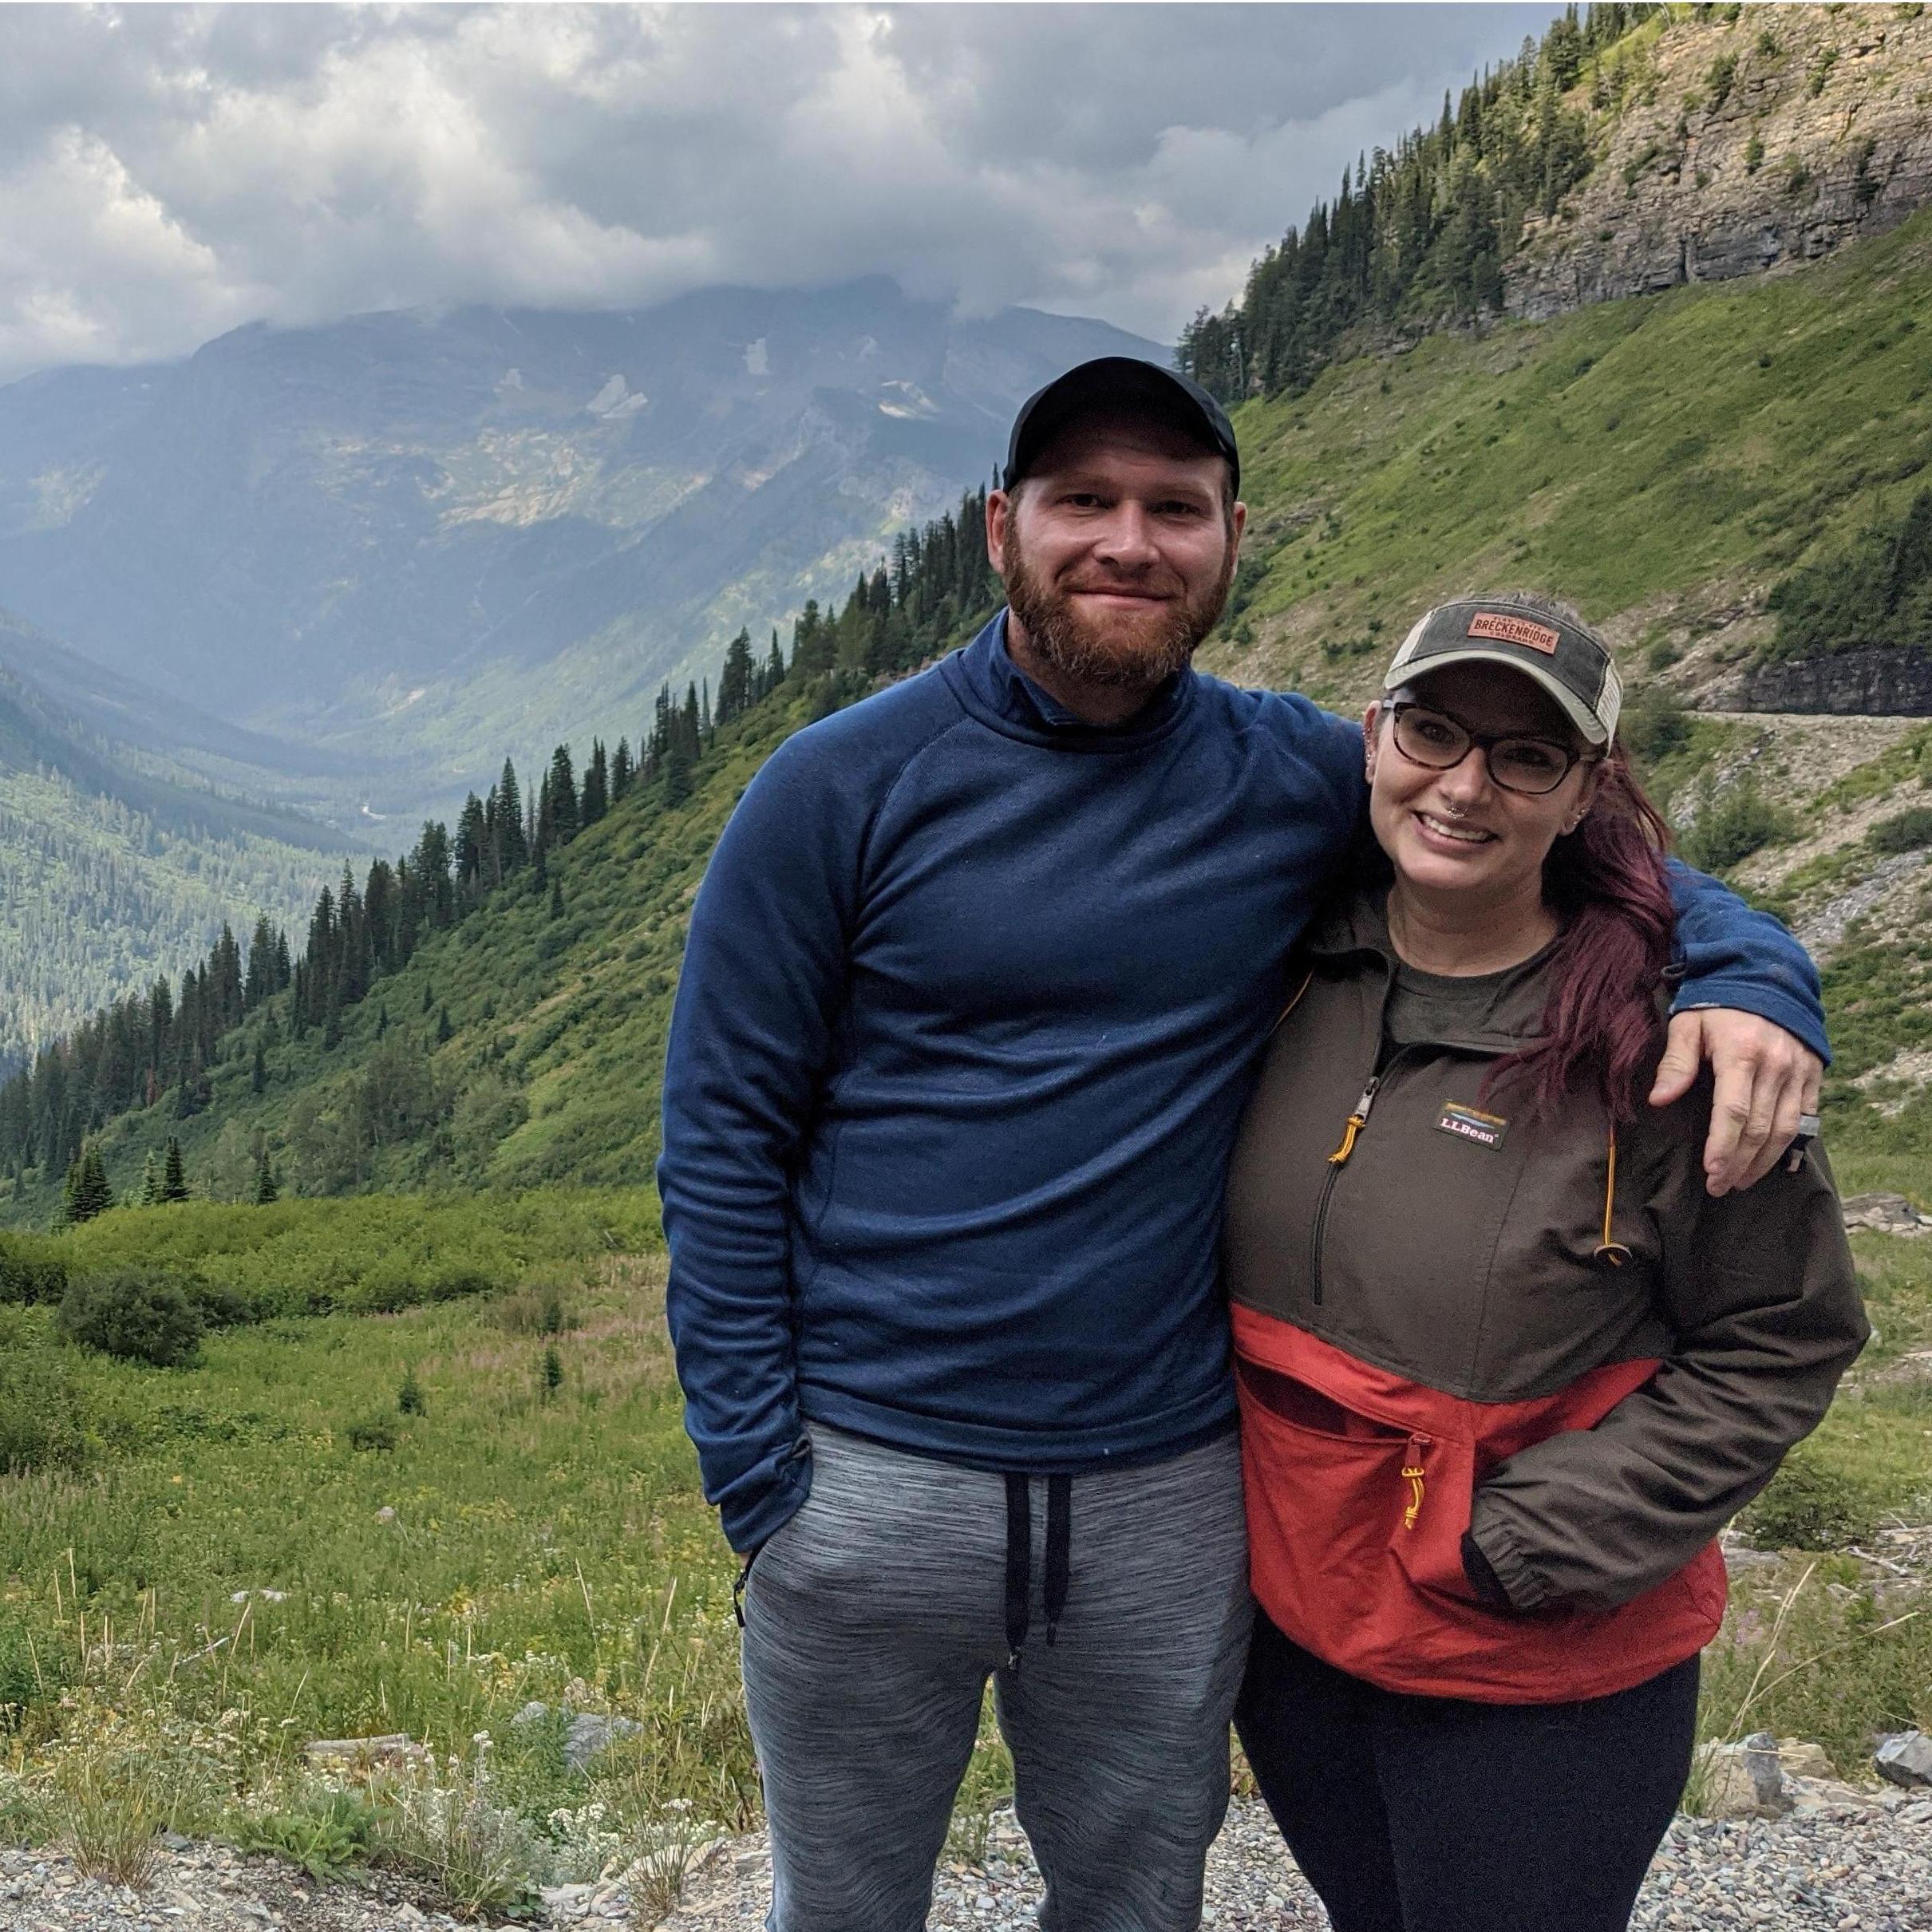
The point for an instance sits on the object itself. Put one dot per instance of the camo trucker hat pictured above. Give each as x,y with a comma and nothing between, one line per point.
1569,660
1124,383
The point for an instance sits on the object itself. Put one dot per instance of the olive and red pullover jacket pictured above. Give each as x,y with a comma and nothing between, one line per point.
1452,1320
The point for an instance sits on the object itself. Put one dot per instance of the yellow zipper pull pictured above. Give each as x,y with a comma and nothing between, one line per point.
1357,1120
1412,1474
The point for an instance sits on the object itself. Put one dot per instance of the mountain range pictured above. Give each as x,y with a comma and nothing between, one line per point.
418,541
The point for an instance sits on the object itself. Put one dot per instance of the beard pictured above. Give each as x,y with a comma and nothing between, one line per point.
1131,652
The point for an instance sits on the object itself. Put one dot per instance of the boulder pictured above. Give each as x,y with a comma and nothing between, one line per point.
590,1734
1744,1780
1905,1758
1799,1758
393,1747
1884,1214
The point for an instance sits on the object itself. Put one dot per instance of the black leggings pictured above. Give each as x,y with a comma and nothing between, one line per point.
1412,1814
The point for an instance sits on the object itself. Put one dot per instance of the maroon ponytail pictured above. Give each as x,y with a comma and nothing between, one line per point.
1606,883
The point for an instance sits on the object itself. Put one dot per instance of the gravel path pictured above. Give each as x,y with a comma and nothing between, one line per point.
1867,1870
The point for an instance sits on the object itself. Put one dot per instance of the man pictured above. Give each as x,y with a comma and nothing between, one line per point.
974,989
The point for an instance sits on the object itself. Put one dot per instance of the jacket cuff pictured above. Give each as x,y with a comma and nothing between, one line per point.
1492,1541
1482,1577
751,1522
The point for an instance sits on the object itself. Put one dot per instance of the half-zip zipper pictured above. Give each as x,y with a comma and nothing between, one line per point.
1337,1161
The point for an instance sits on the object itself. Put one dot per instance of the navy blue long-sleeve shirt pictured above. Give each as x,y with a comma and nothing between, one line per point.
970,1008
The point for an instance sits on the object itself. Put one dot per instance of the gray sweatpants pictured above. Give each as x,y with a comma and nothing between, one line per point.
873,1620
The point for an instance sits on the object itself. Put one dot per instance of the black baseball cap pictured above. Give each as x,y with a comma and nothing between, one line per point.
1130,386
1571,661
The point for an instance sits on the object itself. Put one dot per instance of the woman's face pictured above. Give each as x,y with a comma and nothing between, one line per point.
1458,830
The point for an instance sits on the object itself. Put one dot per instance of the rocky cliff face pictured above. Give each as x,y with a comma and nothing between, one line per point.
1849,683
1742,146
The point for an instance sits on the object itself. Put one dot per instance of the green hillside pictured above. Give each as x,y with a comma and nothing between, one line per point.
1660,461
436,1032
115,864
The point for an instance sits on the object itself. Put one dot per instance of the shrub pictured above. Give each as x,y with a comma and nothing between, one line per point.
42,1420
20,1681
140,1314
219,1305
1656,724
26,1276
1811,1505
1905,832
375,1433
1731,825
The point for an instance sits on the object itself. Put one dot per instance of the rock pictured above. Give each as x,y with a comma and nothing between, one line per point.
1830,1796
1905,1758
1701,183
386,1514
1743,1780
1893,682
1884,1214
534,1712
175,1841
1798,1758
590,1733
394,1748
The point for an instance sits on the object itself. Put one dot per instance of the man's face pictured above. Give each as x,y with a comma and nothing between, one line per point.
1116,551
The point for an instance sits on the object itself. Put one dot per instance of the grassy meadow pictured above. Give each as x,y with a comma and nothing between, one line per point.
210,1574
210,1582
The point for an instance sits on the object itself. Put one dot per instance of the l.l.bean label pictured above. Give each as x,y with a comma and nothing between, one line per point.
1468,1123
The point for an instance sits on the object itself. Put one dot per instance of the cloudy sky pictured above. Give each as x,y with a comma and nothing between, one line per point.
168,172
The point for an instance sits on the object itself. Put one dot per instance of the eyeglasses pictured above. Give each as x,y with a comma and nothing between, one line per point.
1439,742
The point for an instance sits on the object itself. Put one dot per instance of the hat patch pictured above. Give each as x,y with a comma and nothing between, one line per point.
1515,630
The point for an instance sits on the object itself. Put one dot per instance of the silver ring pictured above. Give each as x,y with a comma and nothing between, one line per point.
1808,1125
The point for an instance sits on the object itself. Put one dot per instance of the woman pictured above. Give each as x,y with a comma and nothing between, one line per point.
1506,1369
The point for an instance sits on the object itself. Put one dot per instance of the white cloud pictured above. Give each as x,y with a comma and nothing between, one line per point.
167,173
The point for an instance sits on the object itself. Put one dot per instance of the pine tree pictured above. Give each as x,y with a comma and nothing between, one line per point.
409,1397
596,796
553,1371
267,1188
444,1031
67,1214
734,683
87,1192
621,770
151,1180
258,1072
560,797
260,983
174,1179
556,898
510,820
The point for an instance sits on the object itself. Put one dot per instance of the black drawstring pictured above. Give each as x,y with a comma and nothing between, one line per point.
1019,1559
1059,1550
1019,1566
